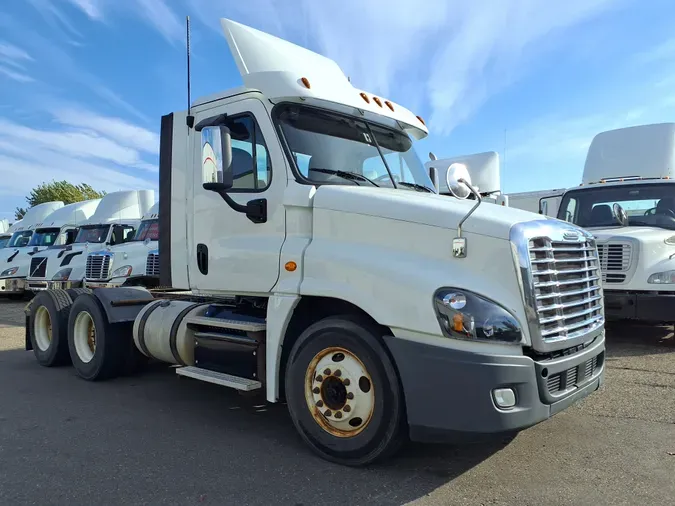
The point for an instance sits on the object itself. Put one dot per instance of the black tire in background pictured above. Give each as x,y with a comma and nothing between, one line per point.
57,304
384,432
76,292
108,357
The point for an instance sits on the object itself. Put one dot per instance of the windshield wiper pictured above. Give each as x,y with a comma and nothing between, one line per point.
345,174
418,187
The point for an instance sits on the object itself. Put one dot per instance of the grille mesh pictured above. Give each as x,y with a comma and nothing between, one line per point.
98,267
152,265
615,261
566,281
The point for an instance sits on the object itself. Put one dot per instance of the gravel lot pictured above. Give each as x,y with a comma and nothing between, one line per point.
157,439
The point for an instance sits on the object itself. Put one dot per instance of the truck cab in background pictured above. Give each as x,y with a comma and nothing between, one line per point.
627,201
5,235
58,229
546,202
115,221
133,263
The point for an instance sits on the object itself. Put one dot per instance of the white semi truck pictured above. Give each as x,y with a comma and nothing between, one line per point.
58,229
308,266
5,234
115,221
133,263
483,167
546,202
22,233
627,201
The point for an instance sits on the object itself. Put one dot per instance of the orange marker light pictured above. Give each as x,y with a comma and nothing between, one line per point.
390,105
290,266
458,322
377,101
305,81
365,97
421,120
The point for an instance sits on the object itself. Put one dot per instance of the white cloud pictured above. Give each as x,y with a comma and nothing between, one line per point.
121,131
16,76
91,8
13,55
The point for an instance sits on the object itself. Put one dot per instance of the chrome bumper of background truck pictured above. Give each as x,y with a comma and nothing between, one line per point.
12,285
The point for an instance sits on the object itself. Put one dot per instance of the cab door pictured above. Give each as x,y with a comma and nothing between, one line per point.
231,253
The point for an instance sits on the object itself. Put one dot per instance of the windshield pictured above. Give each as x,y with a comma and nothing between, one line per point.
149,229
44,237
94,233
647,205
4,240
323,143
20,239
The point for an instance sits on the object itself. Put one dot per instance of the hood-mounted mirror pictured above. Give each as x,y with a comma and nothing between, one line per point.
458,180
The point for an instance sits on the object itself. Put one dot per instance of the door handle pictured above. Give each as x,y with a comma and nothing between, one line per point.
203,258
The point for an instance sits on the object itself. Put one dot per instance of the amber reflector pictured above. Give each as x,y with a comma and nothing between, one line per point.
365,97
305,81
291,266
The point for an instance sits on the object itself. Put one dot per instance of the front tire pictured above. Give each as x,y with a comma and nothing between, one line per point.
343,392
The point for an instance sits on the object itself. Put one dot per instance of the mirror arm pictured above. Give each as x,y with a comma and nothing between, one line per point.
478,202
255,210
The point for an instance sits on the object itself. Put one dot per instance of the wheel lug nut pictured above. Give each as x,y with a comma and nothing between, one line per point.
338,373
319,403
346,382
326,372
338,414
347,408
319,378
350,395
316,390
327,412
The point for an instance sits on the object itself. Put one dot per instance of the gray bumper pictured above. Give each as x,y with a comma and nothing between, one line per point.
38,286
448,393
12,285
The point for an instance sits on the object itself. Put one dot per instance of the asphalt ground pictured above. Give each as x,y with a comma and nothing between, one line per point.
157,439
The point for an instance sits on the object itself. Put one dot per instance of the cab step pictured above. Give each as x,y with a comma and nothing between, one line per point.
219,378
227,323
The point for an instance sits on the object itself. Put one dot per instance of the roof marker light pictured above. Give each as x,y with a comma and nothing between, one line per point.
377,101
421,120
305,81
390,105
365,97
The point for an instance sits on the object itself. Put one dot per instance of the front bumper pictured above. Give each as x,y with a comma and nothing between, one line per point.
448,393
38,286
103,284
653,307
12,285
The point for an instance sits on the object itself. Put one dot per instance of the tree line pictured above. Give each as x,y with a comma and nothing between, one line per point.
63,191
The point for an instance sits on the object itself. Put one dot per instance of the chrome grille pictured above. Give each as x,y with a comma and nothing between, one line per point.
615,259
152,264
98,267
566,283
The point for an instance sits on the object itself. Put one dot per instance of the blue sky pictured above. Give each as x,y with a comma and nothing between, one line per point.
83,83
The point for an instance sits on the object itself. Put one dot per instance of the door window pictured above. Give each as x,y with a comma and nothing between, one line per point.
251,168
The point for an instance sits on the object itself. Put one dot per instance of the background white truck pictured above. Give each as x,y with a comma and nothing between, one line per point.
318,267
133,263
544,202
58,229
5,235
627,201
117,216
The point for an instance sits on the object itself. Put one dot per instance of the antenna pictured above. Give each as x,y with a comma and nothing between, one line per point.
189,120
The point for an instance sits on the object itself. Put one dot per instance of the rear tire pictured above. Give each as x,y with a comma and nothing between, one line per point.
93,344
76,292
48,327
343,392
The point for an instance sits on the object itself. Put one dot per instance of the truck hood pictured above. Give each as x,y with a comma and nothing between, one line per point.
423,208
10,257
640,233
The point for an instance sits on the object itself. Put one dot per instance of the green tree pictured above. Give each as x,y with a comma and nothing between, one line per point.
64,191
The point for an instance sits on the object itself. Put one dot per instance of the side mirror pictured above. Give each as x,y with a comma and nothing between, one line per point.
216,158
458,180
432,156
433,175
543,209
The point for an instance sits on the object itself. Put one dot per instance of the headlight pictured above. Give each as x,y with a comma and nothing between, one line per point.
9,272
662,278
465,315
121,272
62,275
